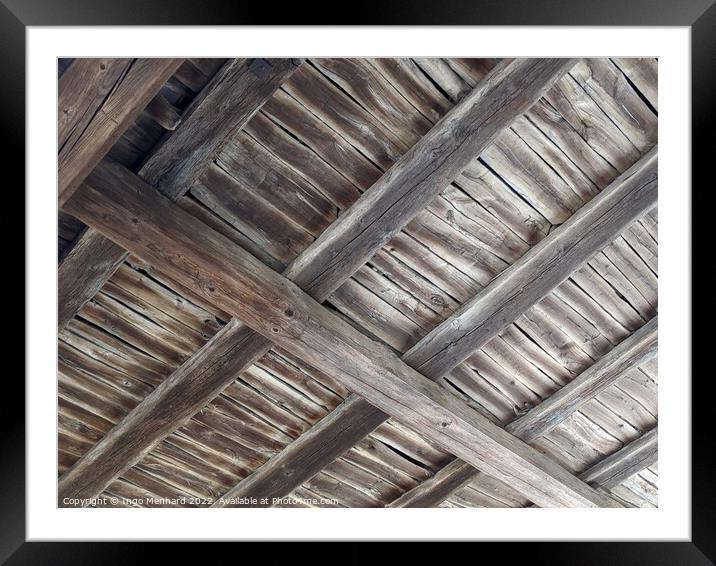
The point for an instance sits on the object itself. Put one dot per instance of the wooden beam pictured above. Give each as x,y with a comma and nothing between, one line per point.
224,106
634,457
608,473
540,270
98,99
631,353
598,222
381,212
636,349
237,91
134,215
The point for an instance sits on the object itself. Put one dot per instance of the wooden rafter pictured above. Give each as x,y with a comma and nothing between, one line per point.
98,100
509,296
633,458
120,205
231,98
539,420
364,229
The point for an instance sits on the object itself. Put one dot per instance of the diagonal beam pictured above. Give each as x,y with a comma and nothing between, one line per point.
381,212
225,105
137,217
540,270
633,458
98,99
629,354
607,474
555,258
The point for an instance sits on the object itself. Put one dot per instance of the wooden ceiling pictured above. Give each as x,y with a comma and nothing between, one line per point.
357,282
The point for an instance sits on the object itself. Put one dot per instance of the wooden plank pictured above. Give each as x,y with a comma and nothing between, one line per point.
225,105
381,212
120,205
98,100
540,270
439,487
555,257
630,353
232,97
633,458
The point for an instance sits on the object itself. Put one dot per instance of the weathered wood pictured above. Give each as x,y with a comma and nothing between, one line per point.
433,491
228,102
233,96
540,270
556,257
83,271
630,353
359,233
427,168
124,208
634,457
607,474
98,100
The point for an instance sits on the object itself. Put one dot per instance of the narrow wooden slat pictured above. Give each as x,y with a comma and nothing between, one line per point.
98,100
630,353
234,95
634,457
117,203
433,491
540,270
380,213
613,210
225,105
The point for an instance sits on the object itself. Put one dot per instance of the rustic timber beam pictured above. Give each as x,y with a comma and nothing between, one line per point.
632,352
631,459
512,293
384,209
237,91
540,270
98,99
134,215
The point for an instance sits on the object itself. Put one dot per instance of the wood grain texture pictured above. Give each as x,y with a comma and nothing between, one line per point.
223,106
426,169
323,267
633,458
539,420
98,100
83,271
554,259
540,270
117,203
629,354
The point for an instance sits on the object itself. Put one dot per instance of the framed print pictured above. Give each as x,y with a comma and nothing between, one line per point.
394,281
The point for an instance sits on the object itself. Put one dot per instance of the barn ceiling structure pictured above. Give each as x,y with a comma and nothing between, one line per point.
357,282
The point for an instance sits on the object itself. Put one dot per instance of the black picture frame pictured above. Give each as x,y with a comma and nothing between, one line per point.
699,15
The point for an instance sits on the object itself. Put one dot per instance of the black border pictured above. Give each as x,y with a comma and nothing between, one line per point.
700,15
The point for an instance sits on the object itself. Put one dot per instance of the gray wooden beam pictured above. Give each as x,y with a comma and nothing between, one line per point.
629,354
228,102
598,222
540,270
134,215
323,267
98,99
633,458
